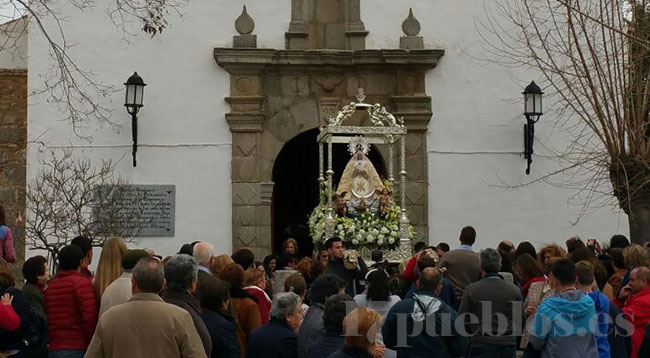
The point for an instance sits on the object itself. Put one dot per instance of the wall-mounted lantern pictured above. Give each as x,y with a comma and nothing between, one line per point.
532,111
133,103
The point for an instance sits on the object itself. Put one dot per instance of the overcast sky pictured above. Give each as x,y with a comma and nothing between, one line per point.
7,11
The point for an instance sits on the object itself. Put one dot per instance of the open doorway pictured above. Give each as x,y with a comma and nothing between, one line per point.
295,189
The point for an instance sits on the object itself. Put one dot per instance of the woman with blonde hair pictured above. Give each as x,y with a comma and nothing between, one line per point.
361,329
290,247
109,267
635,256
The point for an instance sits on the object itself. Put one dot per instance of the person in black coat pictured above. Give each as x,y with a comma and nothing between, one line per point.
214,296
277,339
424,306
354,278
10,341
332,341
618,336
644,350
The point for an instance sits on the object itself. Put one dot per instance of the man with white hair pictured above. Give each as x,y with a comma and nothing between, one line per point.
277,339
202,253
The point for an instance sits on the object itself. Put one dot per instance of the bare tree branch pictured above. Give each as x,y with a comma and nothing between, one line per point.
595,58
71,197
75,90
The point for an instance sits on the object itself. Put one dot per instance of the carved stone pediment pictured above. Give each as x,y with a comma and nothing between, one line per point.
276,94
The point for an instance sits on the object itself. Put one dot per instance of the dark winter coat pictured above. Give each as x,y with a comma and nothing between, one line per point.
350,352
618,336
501,297
191,304
423,344
10,340
273,340
354,279
223,334
311,329
324,346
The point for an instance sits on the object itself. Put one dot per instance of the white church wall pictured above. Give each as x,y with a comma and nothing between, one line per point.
183,137
13,41
474,137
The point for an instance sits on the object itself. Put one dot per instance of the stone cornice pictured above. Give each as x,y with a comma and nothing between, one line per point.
415,109
245,122
13,72
239,60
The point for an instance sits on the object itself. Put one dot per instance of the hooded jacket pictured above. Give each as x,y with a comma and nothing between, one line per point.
423,338
601,304
637,312
565,326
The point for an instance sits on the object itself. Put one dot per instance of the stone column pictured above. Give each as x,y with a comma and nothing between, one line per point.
355,30
415,107
297,36
251,198
13,142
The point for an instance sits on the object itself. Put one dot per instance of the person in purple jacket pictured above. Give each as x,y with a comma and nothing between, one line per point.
7,251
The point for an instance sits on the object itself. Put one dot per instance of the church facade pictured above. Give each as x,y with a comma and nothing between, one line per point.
235,97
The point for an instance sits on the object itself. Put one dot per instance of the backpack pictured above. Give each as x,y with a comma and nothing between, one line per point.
3,232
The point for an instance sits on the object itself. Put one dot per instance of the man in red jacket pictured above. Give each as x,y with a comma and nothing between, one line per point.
637,305
71,307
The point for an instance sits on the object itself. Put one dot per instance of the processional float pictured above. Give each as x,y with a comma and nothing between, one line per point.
362,210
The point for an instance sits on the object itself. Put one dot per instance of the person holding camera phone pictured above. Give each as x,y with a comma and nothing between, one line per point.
347,265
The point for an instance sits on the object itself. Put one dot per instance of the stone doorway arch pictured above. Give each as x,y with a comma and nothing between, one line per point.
277,94
295,186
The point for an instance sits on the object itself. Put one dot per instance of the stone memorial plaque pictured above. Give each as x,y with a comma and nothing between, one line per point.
148,210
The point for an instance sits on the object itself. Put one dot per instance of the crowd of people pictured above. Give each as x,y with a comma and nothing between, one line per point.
579,301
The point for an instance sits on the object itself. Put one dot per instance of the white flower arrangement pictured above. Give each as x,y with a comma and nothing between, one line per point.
366,230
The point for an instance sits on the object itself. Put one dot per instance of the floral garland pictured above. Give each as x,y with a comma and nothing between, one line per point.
367,230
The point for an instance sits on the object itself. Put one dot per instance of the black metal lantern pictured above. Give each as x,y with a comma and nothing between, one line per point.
133,103
532,111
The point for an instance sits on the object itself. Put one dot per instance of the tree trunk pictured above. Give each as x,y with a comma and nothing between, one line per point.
630,180
639,220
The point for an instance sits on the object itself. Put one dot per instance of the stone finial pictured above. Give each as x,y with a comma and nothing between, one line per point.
245,25
411,27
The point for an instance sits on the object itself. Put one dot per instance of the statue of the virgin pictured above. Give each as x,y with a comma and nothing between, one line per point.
360,186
